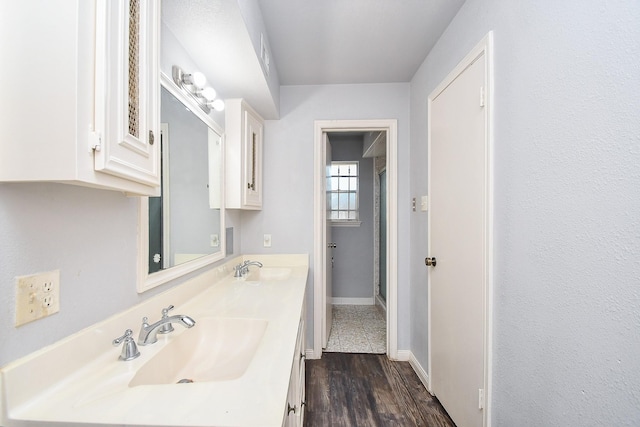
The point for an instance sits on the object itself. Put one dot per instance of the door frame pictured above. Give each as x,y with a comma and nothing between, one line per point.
376,226
485,47
319,224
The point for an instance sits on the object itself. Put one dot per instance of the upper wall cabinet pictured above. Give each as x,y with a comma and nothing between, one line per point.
244,139
127,87
80,98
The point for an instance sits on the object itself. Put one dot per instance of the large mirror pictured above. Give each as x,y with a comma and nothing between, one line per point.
182,229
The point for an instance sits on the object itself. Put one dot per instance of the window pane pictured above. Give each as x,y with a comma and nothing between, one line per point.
344,201
334,169
353,184
353,169
352,201
344,184
352,215
334,184
342,215
334,201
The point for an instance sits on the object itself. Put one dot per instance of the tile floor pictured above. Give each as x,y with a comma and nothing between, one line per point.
358,329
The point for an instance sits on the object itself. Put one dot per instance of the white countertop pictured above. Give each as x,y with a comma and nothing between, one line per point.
80,380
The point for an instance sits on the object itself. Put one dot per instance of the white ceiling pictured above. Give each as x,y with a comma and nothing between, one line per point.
310,41
353,41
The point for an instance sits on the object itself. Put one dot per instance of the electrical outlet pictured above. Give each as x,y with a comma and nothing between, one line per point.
214,240
37,296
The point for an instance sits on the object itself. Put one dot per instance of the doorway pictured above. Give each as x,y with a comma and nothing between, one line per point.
358,323
322,249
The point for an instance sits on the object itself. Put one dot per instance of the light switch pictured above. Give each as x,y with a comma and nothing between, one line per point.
424,203
267,240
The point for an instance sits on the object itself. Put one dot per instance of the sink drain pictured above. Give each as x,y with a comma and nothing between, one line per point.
185,381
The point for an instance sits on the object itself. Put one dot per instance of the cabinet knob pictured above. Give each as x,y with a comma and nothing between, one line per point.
151,137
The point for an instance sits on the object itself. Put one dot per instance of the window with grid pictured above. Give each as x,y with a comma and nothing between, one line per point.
342,190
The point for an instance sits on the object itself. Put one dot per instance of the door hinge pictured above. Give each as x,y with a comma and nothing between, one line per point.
482,96
480,398
95,141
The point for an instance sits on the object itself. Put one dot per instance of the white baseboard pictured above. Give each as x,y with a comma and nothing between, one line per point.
420,372
404,355
352,301
310,354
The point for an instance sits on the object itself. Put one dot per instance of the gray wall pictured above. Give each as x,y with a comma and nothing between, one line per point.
353,264
567,206
287,212
90,235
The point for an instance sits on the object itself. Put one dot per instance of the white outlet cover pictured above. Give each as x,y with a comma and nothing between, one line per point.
37,296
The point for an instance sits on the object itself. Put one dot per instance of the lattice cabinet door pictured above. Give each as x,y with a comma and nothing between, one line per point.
244,129
127,115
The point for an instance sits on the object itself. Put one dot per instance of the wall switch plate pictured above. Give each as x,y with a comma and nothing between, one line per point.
267,240
424,203
37,296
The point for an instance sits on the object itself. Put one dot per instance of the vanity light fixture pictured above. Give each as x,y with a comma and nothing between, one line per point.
194,85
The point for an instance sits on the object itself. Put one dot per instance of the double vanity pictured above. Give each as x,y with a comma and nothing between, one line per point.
240,364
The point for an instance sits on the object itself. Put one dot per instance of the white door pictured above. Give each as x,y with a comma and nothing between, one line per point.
328,262
457,241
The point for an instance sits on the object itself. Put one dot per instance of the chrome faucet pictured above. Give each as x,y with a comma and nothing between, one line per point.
149,333
241,269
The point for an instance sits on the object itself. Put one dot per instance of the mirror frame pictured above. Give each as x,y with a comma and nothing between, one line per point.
148,281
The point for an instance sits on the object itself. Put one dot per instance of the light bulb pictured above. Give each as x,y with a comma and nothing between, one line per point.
208,93
199,80
217,105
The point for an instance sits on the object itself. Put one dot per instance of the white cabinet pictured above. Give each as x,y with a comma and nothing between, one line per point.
243,145
294,415
80,97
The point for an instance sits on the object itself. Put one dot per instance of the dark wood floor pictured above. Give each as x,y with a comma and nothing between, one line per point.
346,389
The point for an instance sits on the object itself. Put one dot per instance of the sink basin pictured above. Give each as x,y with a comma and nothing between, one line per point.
215,349
269,273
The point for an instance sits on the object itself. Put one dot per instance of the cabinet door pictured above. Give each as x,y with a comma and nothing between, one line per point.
301,348
126,137
291,413
253,161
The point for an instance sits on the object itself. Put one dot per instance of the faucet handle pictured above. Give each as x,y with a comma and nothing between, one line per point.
129,349
167,327
165,311
238,270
